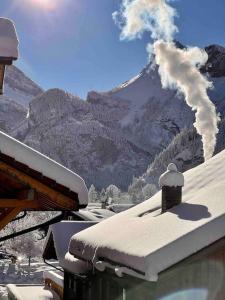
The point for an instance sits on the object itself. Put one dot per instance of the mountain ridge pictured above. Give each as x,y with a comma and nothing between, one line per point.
112,136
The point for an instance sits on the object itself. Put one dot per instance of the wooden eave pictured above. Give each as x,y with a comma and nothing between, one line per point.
22,188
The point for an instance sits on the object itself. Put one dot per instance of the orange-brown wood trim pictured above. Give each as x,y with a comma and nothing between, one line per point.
13,203
8,216
55,287
57,197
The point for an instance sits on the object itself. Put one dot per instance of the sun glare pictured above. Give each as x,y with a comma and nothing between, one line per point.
44,4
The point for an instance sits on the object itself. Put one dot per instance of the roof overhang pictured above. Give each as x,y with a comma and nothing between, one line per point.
32,181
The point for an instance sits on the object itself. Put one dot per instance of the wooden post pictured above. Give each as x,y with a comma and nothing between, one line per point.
2,75
171,183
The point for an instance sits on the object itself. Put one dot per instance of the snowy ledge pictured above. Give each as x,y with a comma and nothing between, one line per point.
25,292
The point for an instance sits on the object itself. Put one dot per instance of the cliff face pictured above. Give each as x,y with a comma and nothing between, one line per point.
65,128
19,88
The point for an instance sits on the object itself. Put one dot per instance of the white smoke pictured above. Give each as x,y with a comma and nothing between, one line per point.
137,16
178,68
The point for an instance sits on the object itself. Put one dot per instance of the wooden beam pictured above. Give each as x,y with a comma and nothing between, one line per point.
27,194
13,203
8,216
62,201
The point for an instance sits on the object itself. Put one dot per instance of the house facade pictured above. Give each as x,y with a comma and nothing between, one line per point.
200,276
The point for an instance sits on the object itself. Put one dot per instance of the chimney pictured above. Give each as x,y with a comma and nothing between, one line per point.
171,183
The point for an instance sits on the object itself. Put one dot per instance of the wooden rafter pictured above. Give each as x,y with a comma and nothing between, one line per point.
16,203
8,215
22,192
59,199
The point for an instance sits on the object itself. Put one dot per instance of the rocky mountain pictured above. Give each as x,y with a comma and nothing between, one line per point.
11,114
113,136
215,65
19,88
66,128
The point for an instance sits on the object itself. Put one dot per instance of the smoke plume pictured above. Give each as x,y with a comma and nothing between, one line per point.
178,68
138,16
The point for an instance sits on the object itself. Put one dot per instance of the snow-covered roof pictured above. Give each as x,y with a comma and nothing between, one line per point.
41,163
143,240
8,39
62,233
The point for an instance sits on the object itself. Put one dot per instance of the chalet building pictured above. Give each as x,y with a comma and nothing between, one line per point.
147,252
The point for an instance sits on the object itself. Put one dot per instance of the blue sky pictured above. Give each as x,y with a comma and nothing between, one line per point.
75,46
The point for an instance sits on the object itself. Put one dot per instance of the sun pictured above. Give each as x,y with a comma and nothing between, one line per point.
44,4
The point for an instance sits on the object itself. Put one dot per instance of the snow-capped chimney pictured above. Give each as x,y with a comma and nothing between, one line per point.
171,183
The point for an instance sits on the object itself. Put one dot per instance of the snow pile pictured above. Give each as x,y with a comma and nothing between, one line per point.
44,165
25,292
171,177
8,39
144,240
74,265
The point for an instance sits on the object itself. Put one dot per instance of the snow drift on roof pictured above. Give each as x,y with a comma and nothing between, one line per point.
149,242
44,165
8,39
